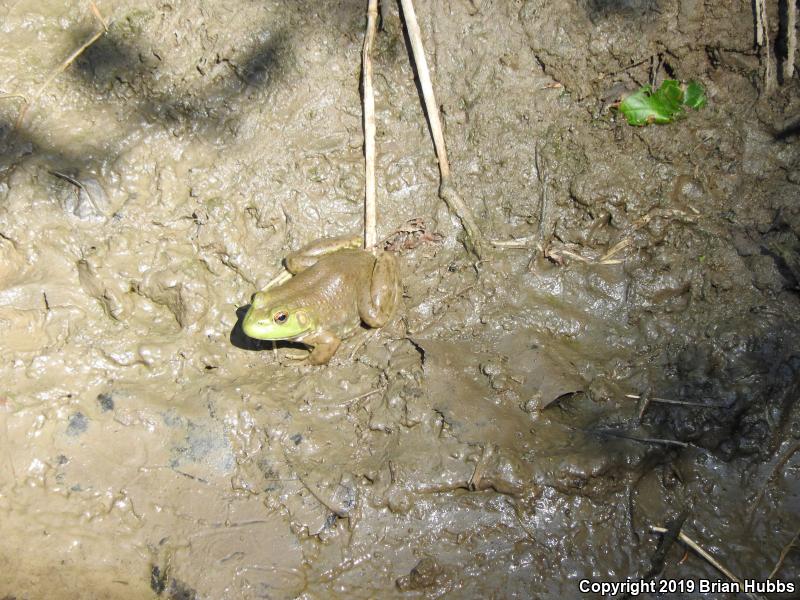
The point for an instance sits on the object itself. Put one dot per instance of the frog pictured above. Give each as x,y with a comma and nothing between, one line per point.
335,286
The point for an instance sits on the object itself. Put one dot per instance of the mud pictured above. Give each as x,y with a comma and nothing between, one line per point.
485,443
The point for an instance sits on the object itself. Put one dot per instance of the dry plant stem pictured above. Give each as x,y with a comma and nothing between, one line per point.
708,558
447,190
431,107
282,277
63,66
784,553
679,402
18,96
760,23
778,466
762,40
791,39
370,216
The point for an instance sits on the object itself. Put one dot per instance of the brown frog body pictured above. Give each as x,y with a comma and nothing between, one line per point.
336,286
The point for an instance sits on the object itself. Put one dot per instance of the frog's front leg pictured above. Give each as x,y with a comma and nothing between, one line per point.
377,301
324,345
309,254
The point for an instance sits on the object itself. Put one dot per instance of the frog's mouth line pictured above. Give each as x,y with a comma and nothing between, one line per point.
296,338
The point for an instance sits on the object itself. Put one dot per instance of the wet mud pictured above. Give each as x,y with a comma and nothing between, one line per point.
627,356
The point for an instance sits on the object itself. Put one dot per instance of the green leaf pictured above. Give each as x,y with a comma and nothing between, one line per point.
671,95
643,107
695,96
664,105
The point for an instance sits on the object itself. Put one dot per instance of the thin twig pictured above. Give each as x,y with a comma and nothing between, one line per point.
543,201
709,559
348,403
791,39
77,184
679,402
642,440
22,97
516,244
447,191
621,245
63,66
370,216
282,277
760,24
784,553
98,15
778,465
364,339
415,35
762,41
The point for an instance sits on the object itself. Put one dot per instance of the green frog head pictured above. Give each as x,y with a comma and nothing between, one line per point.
270,320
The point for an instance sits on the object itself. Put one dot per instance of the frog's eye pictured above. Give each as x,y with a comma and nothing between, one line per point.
280,317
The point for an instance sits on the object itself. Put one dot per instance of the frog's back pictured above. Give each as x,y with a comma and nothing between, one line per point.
329,288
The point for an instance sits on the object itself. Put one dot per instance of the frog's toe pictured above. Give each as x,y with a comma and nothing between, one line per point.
296,354
324,344
322,353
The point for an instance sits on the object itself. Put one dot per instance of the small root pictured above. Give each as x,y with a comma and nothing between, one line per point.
63,66
689,542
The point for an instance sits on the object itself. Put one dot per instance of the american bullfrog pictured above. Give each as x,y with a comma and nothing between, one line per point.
336,286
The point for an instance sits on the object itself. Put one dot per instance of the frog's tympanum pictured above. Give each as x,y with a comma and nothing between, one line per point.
336,286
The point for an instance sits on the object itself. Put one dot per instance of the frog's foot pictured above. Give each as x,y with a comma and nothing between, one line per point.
309,254
296,355
376,304
324,345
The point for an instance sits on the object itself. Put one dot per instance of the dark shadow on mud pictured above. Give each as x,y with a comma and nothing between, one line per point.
747,374
17,144
631,9
125,71
791,130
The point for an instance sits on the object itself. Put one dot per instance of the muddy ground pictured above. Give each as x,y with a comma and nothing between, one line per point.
485,443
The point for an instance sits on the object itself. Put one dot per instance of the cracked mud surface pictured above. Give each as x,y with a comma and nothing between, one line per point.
484,444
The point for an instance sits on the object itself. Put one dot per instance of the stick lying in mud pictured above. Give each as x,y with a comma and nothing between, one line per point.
370,217
762,41
791,39
709,559
447,191
63,66
778,466
784,554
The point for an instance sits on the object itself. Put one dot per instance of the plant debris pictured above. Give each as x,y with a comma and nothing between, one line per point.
414,233
664,105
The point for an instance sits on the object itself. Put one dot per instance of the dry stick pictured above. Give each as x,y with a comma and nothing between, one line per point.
18,96
679,402
370,217
784,554
62,67
778,465
760,25
791,39
708,558
447,191
762,41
